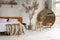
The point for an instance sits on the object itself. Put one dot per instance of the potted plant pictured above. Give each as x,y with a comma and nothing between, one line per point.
30,11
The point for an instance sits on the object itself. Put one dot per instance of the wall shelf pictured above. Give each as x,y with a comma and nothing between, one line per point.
8,3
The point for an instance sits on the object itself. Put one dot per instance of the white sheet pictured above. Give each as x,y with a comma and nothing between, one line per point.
3,25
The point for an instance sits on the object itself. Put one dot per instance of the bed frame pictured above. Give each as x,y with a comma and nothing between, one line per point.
20,19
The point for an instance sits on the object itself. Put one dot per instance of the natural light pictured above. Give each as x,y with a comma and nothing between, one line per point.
57,4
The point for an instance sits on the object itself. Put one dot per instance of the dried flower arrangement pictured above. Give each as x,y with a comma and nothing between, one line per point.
30,8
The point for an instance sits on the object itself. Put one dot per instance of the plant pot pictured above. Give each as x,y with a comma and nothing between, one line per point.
29,27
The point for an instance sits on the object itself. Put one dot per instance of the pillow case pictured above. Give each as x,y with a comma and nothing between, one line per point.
13,20
3,20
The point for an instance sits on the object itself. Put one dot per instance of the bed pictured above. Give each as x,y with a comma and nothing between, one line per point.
7,27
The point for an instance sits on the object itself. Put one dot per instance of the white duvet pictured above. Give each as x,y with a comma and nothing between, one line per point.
3,25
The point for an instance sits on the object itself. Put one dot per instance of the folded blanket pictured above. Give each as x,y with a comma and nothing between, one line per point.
15,29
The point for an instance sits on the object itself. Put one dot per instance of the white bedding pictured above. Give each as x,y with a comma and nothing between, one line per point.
3,25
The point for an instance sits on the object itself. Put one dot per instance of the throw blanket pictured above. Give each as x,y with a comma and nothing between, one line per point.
15,29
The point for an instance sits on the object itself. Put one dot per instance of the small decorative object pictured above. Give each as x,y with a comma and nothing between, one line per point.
32,9
29,27
8,3
46,16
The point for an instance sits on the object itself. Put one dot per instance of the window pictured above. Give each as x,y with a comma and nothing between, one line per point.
57,4
57,0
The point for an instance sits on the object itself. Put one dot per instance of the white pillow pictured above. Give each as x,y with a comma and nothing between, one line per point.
13,20
3,20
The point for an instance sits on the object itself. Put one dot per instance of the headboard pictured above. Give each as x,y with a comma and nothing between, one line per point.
20,19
